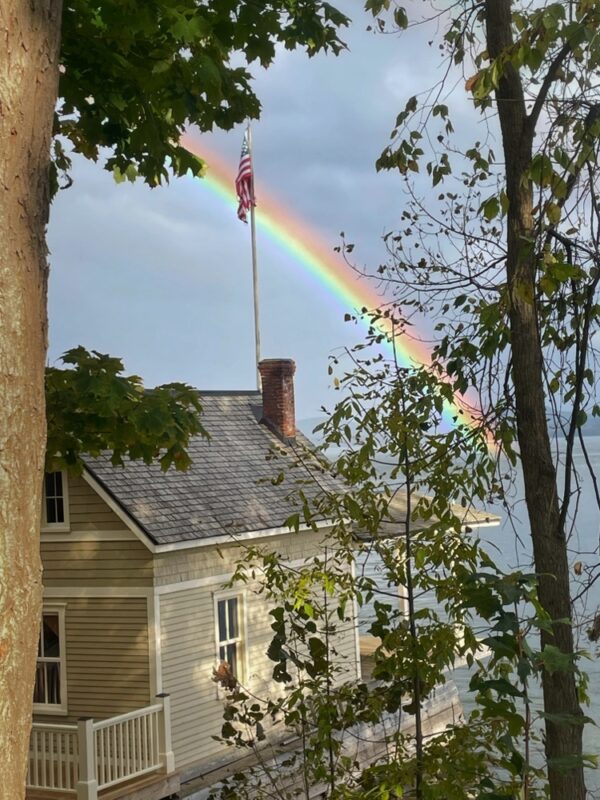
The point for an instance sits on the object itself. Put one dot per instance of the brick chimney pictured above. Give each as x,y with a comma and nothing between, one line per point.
277,378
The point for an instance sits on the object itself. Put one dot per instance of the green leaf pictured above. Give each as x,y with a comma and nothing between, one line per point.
554,660
553,212
491,208
400,17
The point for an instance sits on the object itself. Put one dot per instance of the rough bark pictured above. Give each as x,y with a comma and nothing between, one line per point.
29,48
547,532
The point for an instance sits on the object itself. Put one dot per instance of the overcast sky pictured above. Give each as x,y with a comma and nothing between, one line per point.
162,278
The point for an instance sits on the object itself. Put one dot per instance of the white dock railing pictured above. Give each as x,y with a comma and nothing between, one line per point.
85,758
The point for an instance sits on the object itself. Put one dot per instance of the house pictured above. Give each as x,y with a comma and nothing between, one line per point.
135,615
134,564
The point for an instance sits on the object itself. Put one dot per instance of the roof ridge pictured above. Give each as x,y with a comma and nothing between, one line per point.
229,392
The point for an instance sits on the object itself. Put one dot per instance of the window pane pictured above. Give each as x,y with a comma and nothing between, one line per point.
39,691
222,654
232,658
53,683
232,613
51,510
50,484
51,646
53,486
47,688
221,607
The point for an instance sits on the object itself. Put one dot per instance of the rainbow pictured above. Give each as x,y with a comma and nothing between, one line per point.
327,267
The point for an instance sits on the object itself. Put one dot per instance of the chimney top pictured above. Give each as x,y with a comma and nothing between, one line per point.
277,378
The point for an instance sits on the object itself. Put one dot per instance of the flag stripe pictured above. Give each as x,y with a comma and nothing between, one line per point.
244,182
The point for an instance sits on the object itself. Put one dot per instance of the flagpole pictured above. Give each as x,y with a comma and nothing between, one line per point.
254,268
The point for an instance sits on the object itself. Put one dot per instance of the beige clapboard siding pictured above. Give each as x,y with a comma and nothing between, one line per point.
207,562
107,657
87,510
96,563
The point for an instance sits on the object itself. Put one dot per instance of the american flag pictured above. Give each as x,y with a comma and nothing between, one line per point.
244,181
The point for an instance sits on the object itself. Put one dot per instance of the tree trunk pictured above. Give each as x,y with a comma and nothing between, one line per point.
547,533
29,51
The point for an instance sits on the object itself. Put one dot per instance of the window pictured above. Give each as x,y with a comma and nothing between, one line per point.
49,693
229,633
56,505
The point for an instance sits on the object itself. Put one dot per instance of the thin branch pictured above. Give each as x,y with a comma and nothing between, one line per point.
551,75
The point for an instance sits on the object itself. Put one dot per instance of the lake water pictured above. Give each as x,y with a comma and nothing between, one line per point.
509,545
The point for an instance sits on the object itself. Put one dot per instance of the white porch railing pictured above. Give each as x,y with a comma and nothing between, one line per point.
85,758
127,746
53,757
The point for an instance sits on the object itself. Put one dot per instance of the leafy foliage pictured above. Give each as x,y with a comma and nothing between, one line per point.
405,497
135,73
91,406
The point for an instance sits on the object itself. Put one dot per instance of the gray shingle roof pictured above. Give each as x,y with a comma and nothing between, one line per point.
227,490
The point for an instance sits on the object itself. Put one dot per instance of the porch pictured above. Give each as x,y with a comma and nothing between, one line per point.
129,755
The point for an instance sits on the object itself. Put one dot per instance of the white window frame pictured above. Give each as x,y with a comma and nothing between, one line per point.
56,708
65,525
241,640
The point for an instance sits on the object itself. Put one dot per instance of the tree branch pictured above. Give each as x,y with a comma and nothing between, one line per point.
555,66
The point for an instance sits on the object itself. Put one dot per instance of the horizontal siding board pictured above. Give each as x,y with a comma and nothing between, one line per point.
185,608
100,548
110,604
98,512
109,557
97,525
92,583
99,570
132,545
81,657
132,622
116,680
121,695
116,625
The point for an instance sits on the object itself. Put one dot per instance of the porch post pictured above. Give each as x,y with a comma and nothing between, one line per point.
165,749
87,785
